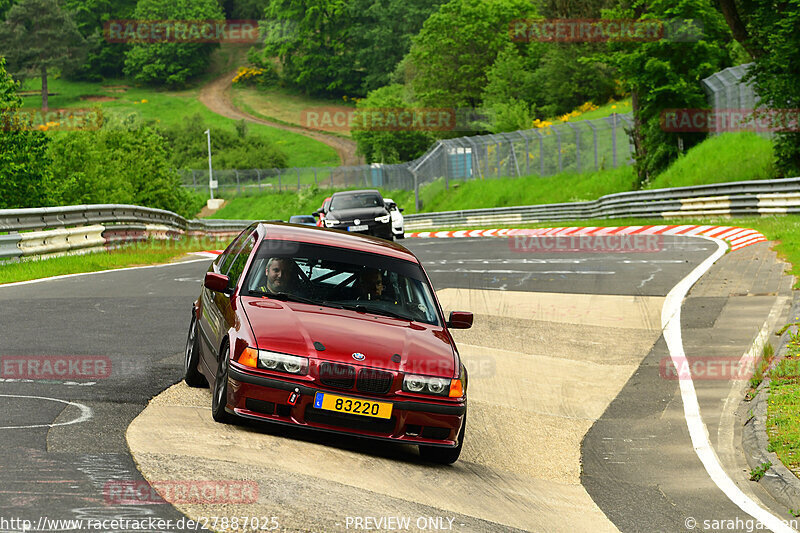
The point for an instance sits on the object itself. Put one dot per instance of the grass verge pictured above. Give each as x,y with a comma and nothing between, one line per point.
134,254
783,407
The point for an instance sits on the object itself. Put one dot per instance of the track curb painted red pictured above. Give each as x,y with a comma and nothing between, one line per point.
735,236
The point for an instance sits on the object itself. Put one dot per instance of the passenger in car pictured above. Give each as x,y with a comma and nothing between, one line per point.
370,285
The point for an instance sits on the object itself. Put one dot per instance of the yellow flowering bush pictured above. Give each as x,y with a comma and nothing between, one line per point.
248,74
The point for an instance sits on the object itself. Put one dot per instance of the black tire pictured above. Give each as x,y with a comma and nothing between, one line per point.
399,236
220,397
444,456
191,375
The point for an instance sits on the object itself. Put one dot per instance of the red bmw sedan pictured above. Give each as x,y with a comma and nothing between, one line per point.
332,331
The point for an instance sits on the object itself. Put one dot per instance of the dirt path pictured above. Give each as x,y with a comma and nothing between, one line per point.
215,96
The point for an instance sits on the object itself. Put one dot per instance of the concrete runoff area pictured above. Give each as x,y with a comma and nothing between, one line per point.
531,403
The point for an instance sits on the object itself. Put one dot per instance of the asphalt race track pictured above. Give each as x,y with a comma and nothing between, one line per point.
575,422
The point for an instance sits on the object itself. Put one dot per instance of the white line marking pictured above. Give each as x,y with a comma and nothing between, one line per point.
86,412
65,276
671,325
477,271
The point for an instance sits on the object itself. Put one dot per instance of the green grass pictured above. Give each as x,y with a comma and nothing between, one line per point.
726,157
135,254
783,407
281,105
170,108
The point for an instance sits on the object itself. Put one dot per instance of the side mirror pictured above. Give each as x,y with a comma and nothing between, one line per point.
316,213
400,209
460,320
216,282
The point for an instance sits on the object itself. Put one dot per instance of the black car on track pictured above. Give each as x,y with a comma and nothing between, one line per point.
359,212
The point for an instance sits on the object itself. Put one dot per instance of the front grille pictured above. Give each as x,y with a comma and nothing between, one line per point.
374,381
346,421
338,376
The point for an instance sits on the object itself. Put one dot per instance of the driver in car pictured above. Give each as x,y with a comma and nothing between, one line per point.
281,275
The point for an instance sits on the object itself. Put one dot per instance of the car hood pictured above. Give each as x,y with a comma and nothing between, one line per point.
293,328
364,213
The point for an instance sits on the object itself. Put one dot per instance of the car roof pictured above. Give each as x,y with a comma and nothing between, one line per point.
332,237
362,191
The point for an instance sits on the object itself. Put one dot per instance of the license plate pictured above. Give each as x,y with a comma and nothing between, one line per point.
353,406
361,227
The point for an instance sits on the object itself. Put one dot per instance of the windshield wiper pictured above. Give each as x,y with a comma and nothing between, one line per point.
285,297
377,311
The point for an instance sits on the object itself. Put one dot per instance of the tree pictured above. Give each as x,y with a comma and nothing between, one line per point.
39,36
317,55
25,172
665,74
171,63
769,32
451,55
5,5
389,146
104,59
382,31
118,166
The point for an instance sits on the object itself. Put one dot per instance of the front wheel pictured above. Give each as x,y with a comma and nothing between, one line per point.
191,375
444,456
220,397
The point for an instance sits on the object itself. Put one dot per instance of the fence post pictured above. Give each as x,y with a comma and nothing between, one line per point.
416,191
315,176
238,187
527,154
298,177
541,152
258,173
558,140
594,140
331,178
577,145
280,173
614,139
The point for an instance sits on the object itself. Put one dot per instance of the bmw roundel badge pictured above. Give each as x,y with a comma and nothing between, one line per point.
359,356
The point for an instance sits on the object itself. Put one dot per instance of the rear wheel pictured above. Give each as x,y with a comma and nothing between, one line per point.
191,375
220,397
444,456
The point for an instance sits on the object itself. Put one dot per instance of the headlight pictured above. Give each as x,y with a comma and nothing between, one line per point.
330,222
426,385
384,219
282,362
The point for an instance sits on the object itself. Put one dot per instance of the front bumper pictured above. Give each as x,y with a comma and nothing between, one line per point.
413,422
384,231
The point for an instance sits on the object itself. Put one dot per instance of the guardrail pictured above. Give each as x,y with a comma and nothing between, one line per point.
758,197
46,231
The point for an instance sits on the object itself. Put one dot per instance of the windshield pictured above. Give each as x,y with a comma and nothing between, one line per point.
340,278
356,201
